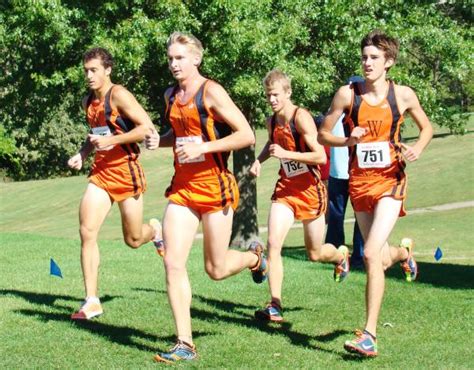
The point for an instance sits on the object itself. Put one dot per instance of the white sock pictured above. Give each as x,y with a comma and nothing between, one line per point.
93,300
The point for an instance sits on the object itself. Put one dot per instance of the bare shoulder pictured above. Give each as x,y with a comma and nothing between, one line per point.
343,96
214,90
304,122
121,95
406,97
303,115
216,96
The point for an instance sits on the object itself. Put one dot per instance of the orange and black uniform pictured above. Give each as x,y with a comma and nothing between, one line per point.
116,170
303,191
204,184
376,165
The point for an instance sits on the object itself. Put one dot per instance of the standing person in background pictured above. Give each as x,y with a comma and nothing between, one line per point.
339,194
299,192
117,123
377,181
205,126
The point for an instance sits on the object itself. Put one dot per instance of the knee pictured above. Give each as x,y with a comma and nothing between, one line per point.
371,257
87,234
314,256
215,272
132,241
173,267
274,248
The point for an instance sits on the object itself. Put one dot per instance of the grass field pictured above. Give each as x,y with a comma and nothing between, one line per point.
431,320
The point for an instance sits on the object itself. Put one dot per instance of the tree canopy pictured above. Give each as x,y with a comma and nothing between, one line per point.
315,41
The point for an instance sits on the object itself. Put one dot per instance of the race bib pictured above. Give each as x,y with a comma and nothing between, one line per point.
293,168
373,155
102,131
190,139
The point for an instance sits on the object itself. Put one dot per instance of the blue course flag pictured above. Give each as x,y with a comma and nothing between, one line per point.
54,269
438,254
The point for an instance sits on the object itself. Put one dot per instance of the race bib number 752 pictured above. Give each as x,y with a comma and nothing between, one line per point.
373,155
293,168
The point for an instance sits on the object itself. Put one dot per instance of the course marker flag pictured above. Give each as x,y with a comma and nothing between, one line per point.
438,254
54,269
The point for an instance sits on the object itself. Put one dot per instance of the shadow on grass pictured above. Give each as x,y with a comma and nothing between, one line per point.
296,253
355,358
437,274
48,299
282,329
117,334
440,275
237,313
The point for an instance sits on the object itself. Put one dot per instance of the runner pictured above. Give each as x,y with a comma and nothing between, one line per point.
206,126
299,192
117,123
377,182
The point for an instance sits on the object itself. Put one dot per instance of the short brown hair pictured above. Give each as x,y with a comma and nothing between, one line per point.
275,75
99,53
389,45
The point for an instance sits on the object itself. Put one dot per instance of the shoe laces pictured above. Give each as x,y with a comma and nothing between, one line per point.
274,305
361,336
405,266
182,345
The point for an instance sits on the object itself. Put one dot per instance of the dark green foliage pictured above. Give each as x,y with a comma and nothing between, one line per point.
316,42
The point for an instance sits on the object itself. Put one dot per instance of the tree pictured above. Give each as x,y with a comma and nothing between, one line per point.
315,41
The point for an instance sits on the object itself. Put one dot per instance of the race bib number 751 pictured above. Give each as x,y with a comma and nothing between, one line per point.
373,155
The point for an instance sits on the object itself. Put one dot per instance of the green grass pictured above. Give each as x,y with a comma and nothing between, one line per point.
431,318
36,330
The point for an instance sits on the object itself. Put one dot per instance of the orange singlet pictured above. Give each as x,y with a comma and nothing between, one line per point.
116,169
376,166
299,186
203,184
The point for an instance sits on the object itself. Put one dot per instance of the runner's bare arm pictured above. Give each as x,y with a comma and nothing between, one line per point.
264,154
129,107
305,126
340,103
225,109
412,105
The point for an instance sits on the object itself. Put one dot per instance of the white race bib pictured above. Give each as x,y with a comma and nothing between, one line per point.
190,139
102,131
293,168
373,155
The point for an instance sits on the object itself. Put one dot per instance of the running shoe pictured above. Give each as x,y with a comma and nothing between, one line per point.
272,312
409,266
180,351
260,271
88,310
341,270
158,237
364,344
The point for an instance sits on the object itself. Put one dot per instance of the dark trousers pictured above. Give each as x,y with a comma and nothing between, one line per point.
338,195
